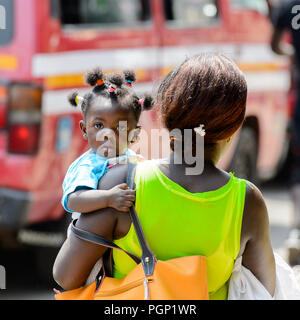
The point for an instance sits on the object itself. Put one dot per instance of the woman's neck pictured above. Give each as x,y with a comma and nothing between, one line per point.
207,159
176,161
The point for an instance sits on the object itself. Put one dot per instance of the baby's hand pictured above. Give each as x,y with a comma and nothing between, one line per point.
121,197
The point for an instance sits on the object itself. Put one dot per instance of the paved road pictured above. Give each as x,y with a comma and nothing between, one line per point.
280,211
22,282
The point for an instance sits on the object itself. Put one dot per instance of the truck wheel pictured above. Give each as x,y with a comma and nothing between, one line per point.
243,164
45,258
45,253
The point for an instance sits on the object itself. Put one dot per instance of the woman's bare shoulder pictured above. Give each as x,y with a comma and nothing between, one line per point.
255,223
255,205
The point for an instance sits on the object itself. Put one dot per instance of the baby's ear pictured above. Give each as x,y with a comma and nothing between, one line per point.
134,133
82,127
138,130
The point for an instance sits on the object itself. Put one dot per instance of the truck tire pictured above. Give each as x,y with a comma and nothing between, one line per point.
45,254
45,258
243,163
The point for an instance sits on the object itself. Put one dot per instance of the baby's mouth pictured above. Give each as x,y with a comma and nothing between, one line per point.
106,150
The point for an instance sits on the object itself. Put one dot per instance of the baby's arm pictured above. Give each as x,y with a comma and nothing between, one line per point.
119,197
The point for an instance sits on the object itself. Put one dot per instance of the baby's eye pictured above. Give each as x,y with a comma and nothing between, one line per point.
98,125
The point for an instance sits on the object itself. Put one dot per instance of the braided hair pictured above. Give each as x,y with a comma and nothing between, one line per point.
115,86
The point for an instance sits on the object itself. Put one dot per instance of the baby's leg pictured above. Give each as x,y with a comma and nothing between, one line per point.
98,264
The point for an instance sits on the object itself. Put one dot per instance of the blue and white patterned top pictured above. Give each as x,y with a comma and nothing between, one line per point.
86,171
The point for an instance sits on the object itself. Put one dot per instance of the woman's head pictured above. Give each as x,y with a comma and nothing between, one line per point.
206,89
106,108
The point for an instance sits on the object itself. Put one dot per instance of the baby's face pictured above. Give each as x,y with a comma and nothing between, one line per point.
103,128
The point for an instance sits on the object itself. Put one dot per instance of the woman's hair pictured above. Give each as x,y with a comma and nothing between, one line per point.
206,89
115,86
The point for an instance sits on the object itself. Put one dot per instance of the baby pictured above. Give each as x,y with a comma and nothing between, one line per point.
109,109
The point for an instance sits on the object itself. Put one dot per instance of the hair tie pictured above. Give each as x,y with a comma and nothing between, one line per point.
141,101
200,130
128,83
112,89
100,82
79,100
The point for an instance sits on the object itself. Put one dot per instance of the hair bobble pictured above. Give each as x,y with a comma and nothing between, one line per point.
100,82
130,77
75,99
95,77
79,100
128,83
141,101
112,89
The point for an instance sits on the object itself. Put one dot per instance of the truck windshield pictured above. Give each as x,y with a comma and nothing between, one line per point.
191,13
86,13
256,5
6,21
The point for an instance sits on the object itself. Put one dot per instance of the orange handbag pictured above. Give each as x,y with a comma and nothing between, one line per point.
182,278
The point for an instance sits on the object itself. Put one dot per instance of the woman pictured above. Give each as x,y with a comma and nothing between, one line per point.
213,213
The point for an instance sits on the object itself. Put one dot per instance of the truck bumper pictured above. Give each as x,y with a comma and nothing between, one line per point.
14,208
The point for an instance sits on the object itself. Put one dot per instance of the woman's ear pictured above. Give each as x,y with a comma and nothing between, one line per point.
83,129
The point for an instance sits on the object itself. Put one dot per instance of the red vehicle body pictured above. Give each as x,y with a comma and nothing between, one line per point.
47,56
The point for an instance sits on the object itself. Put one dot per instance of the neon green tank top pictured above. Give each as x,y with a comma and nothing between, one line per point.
179,223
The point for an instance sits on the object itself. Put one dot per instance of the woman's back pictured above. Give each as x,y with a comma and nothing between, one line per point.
180,223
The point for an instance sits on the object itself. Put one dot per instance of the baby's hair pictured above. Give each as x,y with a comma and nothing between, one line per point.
92,77
130,77
115,86
206,89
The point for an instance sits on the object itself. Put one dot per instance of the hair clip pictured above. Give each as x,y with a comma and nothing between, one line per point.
200,130
112,88
141,101
100,82
128,83
79,100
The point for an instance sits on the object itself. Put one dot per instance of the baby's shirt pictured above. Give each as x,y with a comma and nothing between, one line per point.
86,171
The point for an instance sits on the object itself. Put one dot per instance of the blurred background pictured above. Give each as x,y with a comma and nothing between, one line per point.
45,48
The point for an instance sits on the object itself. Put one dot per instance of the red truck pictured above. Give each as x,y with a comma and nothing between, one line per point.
47,45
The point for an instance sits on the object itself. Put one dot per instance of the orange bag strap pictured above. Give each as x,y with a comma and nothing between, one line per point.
148,258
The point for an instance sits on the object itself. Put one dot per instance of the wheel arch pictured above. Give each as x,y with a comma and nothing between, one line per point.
253,123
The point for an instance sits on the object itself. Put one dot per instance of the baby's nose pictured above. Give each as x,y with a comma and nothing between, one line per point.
105,134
